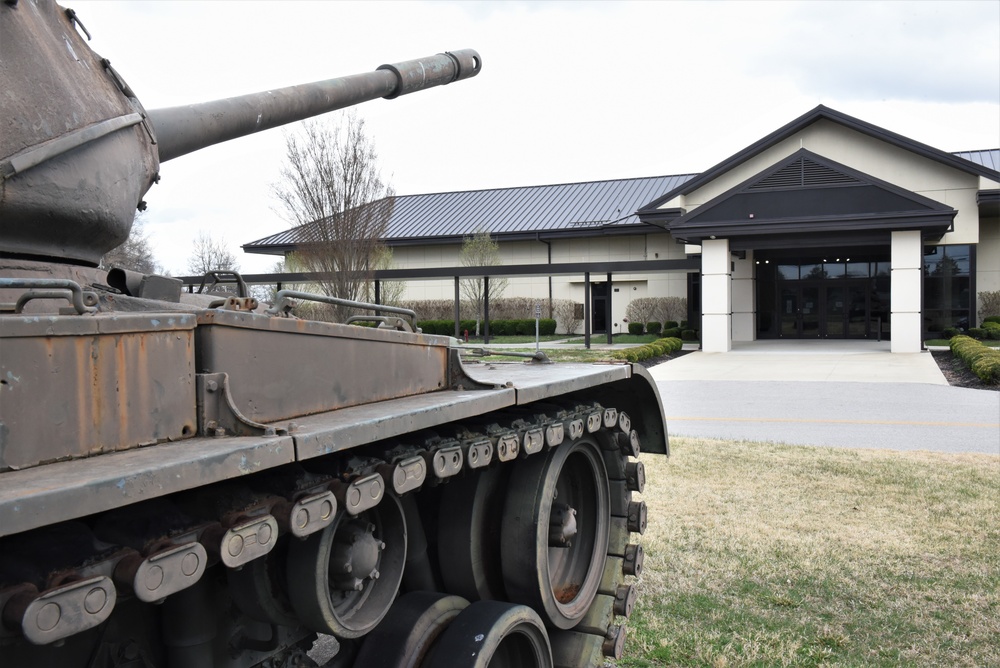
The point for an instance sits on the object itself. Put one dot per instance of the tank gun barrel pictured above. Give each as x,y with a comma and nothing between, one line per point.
183,129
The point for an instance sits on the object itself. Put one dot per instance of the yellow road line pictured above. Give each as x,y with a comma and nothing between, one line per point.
984,425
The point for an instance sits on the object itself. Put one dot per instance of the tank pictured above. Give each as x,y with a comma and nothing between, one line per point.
200,480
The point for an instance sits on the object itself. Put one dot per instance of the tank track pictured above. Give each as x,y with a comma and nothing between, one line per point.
248,572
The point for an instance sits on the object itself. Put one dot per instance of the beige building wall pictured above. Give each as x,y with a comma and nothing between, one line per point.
987,262
611,248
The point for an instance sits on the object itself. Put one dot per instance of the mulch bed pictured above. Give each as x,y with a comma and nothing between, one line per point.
959,375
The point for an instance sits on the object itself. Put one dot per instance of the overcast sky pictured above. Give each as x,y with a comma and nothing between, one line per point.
569,91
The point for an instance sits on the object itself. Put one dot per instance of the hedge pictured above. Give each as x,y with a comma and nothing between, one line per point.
519,327
981,359
992,318
654,349
653,327
635,328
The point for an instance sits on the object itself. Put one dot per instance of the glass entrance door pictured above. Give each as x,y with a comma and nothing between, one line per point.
800,312
825,310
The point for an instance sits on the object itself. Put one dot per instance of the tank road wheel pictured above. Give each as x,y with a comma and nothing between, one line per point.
470,518
342,580
494,634
555,531
404,638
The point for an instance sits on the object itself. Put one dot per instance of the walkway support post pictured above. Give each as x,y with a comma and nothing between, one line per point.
716,296
586,310
906,281
486,310
458,301
607,310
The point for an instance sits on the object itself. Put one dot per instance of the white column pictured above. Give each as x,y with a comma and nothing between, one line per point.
744,300
906,284
716,296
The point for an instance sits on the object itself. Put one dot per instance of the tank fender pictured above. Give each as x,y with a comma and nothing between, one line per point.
638,396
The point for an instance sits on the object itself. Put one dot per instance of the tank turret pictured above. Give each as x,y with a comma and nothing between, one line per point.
78,151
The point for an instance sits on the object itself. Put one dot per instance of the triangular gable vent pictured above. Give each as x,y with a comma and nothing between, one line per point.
804,173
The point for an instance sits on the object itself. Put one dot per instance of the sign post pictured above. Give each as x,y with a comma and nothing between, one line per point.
538,314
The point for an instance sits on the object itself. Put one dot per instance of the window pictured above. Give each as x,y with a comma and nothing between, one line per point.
947,288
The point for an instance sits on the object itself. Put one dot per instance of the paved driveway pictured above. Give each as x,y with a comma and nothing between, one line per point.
862,398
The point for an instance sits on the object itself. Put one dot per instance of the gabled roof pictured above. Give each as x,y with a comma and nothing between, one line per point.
957,161
509,213
807,192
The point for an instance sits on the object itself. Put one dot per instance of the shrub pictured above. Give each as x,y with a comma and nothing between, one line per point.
950,332
672,332
670,324
689,335
653,327
981,359
564,311
977,333
990,302
992,330
654,349
640,310
635,328
991,318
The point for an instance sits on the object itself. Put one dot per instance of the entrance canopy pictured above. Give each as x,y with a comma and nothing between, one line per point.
808,196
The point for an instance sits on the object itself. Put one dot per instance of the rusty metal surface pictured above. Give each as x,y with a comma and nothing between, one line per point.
67,490
536,382
187,128
75,386
56,90
336,431
627,387
281,368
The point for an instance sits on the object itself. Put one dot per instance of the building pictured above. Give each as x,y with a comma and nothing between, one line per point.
829,227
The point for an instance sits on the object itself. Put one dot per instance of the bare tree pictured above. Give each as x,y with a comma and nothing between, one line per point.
135,254
332,190
480,250
211,254
390,292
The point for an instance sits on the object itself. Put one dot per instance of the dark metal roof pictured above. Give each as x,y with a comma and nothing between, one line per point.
510,212
989,159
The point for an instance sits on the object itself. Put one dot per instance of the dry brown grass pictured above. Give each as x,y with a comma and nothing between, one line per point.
768,555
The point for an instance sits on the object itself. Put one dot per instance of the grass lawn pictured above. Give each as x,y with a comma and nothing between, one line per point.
617,338
518,339
769,555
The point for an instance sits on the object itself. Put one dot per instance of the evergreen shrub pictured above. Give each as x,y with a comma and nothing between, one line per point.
981,359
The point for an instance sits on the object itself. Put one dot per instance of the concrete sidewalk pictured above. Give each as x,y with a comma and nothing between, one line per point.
783,360
853,394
